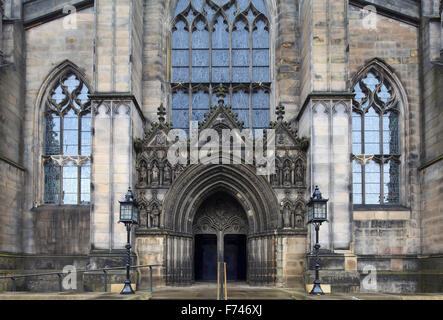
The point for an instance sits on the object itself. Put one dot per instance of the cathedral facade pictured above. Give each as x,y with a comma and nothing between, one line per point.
91,91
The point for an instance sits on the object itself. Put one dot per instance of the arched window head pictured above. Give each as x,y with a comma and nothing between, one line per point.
67,144
220,42
375,140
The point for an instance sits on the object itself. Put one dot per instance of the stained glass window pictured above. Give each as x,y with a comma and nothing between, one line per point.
220,42
67,146
375,141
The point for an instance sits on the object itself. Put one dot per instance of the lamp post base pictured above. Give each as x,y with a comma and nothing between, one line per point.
127,289
316,290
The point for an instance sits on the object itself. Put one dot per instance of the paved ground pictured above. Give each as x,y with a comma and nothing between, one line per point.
207,291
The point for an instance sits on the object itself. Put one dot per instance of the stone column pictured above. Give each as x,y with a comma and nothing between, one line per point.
325,115
116,123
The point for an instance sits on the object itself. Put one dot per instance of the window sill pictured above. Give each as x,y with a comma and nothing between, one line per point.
375,207
63,207
384,213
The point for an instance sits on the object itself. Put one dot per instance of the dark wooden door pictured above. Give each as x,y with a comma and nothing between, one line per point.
235,257
205,257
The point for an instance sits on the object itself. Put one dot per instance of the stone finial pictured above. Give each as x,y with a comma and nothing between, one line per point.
280,112
220,92
161,113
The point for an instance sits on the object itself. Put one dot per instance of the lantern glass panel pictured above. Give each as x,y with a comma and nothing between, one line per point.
319,210
126,212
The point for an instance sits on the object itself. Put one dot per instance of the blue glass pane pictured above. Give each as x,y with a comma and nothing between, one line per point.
243,116
180,58
230,11
240,57
356,134
70,184
372,183
200,37
384,94
260,6
250,16
180,119
357,183
52,183
180,74
260,118
198,4
70,134
52,135
83,96
199,115
180,37
242,5
371,81
209,12
240,100
86,122
220,58
372,132
181,5
180,100
220,74
71,83
200,58
200,74
220,36
200,100
86,143
260,74
260,57
359,95
240,74
58,94
260,99
240,36
260,36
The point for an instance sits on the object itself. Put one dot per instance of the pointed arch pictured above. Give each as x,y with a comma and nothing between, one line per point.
380,131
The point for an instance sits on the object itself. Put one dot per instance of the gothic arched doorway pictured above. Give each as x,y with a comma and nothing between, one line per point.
220,228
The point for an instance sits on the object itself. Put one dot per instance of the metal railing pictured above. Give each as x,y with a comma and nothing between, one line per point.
60,275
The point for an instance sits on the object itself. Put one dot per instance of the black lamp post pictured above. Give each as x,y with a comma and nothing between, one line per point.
317,214
129,216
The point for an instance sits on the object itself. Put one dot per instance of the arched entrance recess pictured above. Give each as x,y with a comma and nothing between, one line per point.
258,218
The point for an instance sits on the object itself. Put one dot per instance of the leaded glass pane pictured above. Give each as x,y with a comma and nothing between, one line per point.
372,183
219,51
260,99
260,57
200,35
371,81
260,118
180,58
391,177
180,36
240,100
357,190
70,184
240,74
260,36
52,134
220,74
180,74
372,132
260,74
200,100
199,115
390,133
85,183
384,94
86,135
180,100
243,116
52,183
356,134
70,134
180,119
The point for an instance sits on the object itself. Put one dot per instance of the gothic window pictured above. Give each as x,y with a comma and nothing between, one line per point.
220,42
375,141
67,144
